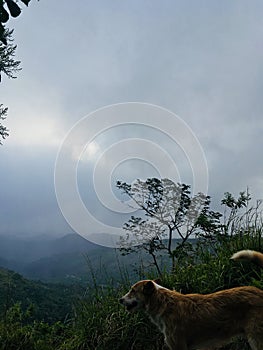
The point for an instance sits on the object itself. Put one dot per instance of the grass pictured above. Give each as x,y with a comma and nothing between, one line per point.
101,323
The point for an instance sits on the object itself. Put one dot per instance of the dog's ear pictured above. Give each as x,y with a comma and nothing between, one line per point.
148,288
158,281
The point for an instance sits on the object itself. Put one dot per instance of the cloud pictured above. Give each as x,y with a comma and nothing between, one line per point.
202,60
34,131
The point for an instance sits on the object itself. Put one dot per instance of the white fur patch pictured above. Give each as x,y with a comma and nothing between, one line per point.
243,254
157,286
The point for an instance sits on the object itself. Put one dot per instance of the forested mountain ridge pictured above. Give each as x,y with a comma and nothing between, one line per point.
49,259
69,259
49,302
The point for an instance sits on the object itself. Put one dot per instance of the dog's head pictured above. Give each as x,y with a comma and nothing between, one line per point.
138,295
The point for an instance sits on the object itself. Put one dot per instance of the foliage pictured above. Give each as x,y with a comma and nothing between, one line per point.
205,268
18,333
8,7
99,322
239,216
8,65
51,302
167,209
3,129
102,323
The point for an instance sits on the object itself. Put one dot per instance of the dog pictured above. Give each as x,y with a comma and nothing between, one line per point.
197,321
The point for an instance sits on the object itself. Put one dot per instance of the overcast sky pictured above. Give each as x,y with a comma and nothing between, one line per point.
201,60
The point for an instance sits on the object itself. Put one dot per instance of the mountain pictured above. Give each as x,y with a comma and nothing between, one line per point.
50,302
69,259
99,265
25,250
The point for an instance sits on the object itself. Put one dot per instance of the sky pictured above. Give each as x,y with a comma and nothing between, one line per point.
120,90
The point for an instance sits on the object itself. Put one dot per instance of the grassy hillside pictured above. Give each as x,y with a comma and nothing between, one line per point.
99,322
49,302
102,323
42,316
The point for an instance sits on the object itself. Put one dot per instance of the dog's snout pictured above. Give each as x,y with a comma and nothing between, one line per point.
121,300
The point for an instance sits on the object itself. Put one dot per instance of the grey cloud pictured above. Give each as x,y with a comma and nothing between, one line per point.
202,60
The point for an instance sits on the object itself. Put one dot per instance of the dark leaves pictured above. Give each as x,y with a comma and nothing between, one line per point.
4,16
3,130
13,8
2,37
8,65
26,2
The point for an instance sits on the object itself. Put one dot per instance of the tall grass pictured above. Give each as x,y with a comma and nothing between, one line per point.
101,323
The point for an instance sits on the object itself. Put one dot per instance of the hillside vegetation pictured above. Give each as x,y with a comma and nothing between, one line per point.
33,313
98,321
48,302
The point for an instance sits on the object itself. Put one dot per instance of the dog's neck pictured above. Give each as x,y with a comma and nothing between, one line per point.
157,304
156,307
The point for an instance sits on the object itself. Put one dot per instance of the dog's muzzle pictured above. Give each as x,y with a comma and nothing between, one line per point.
128,304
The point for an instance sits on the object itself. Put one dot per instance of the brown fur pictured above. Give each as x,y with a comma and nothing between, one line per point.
196,321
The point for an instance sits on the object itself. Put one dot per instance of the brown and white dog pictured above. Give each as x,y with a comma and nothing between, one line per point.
197,321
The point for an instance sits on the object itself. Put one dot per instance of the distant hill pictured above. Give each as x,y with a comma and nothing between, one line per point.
69,259
26,250
50,302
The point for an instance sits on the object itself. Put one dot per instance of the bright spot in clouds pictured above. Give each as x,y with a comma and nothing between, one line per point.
91,151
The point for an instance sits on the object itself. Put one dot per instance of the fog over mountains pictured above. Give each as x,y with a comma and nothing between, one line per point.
25,250
51,259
